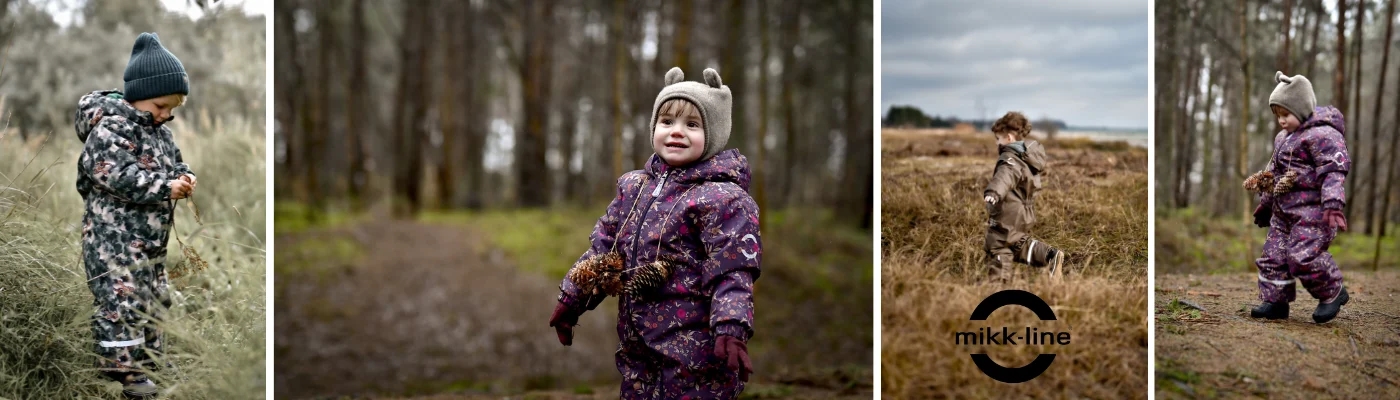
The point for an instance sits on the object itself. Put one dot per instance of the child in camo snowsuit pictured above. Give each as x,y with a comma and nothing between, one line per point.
1301,200
1010,199
129,174
685,339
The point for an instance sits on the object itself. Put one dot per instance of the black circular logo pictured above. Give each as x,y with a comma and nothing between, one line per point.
1007,298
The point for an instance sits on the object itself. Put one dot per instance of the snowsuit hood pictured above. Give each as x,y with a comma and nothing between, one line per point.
1325,116
92,107
1029,151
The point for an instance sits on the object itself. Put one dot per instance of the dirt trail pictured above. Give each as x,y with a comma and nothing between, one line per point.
422,307
427,309
1222,352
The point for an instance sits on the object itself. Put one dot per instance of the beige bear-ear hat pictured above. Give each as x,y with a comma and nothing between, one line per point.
712,97
1294,93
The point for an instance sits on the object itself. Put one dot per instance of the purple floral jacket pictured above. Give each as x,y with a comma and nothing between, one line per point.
1318,151
702,216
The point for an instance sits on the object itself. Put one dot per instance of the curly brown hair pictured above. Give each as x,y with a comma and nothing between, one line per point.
1013,123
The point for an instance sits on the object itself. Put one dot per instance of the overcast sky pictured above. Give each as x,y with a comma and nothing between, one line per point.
64,10
1081,61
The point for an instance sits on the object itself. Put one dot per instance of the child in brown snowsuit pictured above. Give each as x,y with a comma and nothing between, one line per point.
1010,199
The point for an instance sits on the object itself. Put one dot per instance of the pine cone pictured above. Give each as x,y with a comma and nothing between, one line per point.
584,275
610,273
650,277
1259,182
1285,184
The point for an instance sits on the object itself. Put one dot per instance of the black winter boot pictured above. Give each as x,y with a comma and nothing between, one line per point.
1270,310
1326,311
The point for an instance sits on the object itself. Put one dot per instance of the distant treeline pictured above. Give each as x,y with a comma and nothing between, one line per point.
913,117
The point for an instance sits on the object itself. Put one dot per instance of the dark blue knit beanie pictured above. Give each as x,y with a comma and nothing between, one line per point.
153,71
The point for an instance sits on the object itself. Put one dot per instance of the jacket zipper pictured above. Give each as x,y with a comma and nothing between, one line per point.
655,193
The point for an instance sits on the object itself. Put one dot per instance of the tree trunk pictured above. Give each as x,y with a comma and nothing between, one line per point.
474,127
321,129
289,113
1287,36
791,26
760,176
1339,80
355,127
532,172
1208,187
685,23
449,108
733,65
1242,164
619,76
1315,8
859,152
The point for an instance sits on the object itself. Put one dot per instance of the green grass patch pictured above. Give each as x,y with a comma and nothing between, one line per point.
1191,241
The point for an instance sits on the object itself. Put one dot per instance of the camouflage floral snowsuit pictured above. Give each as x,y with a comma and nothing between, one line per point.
702,216
1298,234
123,177
1014,183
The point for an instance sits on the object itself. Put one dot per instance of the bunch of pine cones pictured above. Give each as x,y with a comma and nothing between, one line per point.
1264,181
1259,182
602,273
599,273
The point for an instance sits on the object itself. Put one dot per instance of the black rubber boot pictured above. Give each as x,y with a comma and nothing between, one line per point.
1326,311
1270,311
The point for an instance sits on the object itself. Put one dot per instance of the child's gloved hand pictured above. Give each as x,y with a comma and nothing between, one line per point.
564,322
1335,219
736,355
1262,215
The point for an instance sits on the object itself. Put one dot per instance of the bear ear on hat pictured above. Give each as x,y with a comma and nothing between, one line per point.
1281,78
712,78
674,76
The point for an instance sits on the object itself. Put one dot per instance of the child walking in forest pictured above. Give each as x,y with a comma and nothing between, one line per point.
1301,196
130,173
1010,200
679,246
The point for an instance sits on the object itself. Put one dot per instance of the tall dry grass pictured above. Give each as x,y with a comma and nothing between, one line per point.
215,331
1093,205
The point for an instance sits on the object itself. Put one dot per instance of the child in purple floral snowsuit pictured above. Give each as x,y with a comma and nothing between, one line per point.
1301,201
685,338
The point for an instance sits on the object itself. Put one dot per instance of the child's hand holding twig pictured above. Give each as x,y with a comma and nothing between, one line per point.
180,189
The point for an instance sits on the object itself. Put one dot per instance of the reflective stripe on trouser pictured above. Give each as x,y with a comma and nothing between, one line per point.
1033,252
1297,251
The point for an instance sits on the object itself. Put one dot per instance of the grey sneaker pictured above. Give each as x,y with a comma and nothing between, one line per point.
138,386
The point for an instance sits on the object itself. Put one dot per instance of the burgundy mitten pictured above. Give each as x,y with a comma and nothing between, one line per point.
564,322
1335,219
735,353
